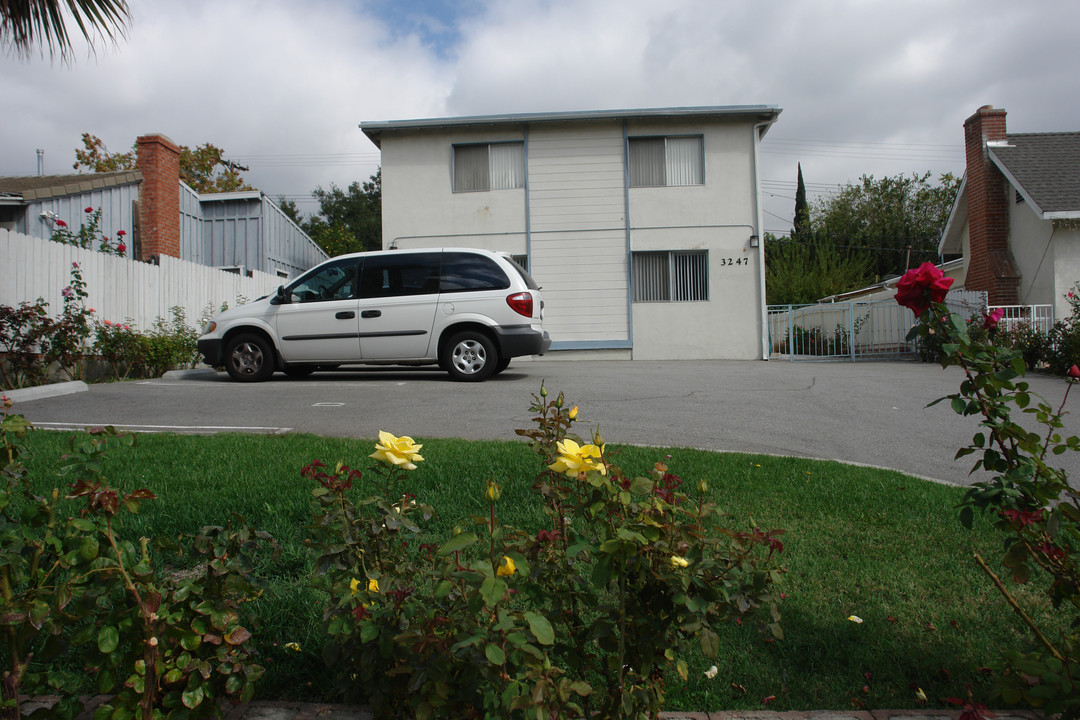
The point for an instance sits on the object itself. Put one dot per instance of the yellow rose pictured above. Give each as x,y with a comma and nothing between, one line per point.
401,451
354,586
574,459
295,647
373,585
493,491
507,568
573,413
679,561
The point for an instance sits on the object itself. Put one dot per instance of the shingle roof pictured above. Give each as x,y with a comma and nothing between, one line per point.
1045,168
36,187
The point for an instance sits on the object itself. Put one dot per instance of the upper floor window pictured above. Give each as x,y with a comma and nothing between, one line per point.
667,161
489,166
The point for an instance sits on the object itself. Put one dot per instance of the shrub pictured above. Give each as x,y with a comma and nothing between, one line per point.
79,601
1030,501
580,619
89,236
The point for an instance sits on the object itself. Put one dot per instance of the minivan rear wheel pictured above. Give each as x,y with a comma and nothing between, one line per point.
249,358
469,356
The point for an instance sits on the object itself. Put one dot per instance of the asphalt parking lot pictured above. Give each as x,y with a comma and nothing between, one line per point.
872,413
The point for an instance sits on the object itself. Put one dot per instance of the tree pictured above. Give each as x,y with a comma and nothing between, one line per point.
805,269
198,167
801,228
358,211
348,220
290,209
898,220
25,24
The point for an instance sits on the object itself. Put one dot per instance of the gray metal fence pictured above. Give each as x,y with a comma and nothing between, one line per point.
856,330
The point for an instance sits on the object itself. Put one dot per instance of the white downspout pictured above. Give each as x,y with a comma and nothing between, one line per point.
759,221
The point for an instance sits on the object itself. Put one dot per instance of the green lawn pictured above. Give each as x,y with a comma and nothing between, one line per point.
880,545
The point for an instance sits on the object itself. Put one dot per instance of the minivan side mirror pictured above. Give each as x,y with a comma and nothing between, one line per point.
281,297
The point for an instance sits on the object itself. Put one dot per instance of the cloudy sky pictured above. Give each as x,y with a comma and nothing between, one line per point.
866,86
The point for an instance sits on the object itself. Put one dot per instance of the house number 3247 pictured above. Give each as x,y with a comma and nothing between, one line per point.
724,262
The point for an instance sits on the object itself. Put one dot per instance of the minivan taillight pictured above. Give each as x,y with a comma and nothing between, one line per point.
521,303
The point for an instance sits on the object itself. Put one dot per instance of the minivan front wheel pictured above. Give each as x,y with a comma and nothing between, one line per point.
470,356
249,358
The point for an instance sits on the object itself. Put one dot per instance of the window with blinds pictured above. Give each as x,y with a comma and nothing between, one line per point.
489,166
671,276
667,161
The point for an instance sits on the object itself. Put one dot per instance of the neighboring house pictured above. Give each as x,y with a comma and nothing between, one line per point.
642,226
1016,219
161,215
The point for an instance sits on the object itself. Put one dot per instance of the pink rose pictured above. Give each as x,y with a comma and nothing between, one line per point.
920,287
67,292
991,320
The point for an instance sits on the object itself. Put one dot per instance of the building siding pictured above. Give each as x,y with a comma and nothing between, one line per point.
577,212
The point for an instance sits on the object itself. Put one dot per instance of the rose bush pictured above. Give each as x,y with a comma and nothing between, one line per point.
89,235
1026,497
79,601
584,618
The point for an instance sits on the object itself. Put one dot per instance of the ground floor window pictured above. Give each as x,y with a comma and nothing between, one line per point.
671,276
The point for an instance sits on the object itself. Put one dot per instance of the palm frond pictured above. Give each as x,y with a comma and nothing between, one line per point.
29,24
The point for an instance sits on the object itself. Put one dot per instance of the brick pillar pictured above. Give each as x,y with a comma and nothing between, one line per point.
990,262
159,197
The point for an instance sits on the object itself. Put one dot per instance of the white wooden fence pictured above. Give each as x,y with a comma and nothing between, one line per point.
121,289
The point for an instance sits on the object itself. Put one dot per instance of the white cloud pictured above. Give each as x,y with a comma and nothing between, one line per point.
886,84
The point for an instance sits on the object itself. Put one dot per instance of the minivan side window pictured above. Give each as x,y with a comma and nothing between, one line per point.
462,272
397,275
333,281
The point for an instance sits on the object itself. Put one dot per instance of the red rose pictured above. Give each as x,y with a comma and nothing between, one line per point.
89,209
61,223
920,287
991,320
121,247
120,233
1074,372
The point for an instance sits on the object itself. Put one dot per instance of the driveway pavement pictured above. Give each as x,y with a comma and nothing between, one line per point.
873,413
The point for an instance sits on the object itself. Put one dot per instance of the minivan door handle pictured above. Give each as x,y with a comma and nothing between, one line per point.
371,313
345,315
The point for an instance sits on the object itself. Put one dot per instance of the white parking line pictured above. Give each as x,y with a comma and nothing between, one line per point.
164,428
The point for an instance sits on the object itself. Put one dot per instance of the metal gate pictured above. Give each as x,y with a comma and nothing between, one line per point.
856,330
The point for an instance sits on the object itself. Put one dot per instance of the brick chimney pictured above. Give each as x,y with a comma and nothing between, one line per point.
990,262
159,197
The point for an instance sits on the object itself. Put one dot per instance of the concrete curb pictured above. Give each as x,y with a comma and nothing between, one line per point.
193,374
46,391
291,710
284,710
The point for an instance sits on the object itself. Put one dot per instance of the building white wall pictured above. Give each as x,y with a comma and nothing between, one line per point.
1030,243
420,208
1066,248
719,217
578,229
572,220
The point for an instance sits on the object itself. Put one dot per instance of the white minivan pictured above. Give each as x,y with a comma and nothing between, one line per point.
467,310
